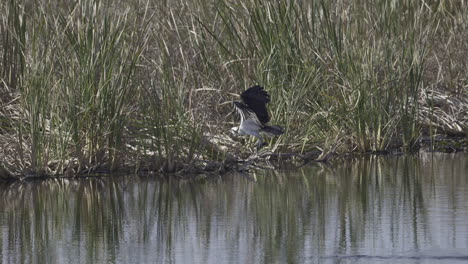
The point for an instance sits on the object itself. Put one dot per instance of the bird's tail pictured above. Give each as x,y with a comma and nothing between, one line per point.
272,130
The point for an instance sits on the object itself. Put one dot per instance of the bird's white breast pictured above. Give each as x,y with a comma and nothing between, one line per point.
249,127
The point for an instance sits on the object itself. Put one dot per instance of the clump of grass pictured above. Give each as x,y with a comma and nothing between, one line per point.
77,88
103,50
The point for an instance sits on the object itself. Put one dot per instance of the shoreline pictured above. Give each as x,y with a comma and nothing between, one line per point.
127,86
442,144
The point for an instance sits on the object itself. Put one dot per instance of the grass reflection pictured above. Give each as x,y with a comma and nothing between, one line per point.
373,206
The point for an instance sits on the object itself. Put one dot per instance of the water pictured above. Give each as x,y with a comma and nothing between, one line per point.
405,209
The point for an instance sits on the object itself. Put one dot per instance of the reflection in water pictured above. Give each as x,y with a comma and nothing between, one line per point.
405,209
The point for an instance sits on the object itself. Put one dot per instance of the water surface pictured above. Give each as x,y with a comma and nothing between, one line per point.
403,209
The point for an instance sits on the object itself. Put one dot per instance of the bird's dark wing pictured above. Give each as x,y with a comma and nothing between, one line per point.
256,99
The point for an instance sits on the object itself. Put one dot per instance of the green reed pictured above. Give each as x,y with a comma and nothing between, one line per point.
76,91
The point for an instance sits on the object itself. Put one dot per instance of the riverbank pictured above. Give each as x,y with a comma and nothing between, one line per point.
107,86
263,160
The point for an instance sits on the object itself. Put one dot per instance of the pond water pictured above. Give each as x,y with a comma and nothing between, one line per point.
399,209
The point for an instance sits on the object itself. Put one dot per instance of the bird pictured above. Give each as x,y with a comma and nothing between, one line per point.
254,115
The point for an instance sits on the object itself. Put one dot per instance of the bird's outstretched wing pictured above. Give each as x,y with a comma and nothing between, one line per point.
256,99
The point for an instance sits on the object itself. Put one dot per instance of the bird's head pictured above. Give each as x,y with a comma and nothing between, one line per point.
237,103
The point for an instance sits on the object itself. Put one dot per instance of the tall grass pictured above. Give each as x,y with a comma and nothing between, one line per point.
348,69
100,85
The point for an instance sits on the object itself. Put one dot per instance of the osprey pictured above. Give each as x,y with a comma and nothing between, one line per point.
254,115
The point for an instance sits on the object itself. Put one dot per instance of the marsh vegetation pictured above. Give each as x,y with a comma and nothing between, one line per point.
146,85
